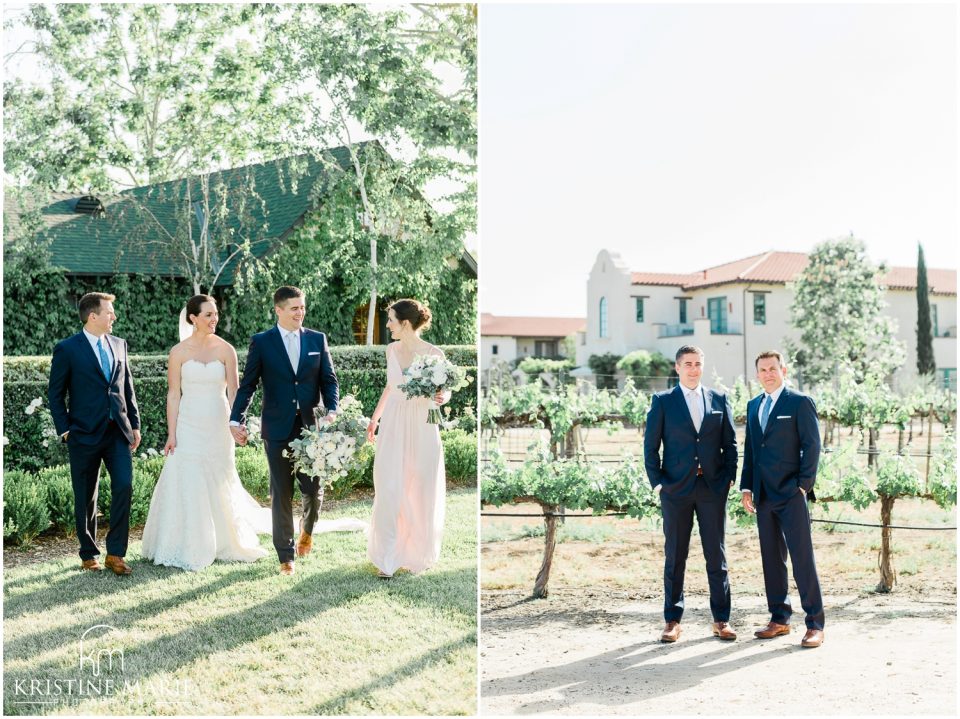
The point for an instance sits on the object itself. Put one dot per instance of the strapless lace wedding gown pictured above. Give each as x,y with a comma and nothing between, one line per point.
199,511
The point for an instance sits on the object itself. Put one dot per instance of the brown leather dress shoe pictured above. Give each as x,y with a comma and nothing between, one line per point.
772,630
116,565
304,544
812,639
286,568
91,565
671,632
724,631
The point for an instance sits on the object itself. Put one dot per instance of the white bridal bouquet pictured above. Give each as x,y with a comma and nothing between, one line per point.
328,451
429,374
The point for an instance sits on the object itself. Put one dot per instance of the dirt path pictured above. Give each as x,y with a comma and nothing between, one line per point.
587,652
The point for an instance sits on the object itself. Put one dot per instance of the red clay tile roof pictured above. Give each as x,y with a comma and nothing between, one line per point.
781,267
530,326
940,282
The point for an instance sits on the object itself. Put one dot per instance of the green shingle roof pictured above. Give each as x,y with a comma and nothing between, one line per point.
132,236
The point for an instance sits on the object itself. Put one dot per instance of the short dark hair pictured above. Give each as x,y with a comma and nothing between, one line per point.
416,313
769,353
688,350
90,303
195,303
285,293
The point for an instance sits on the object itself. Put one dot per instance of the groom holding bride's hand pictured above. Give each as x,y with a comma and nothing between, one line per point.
295,366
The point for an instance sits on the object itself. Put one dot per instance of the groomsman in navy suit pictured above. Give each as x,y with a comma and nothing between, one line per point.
101,423
294,365
694,424
780,461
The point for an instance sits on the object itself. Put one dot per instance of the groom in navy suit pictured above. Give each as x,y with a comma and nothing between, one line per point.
780,462
101,422
297,372
699,465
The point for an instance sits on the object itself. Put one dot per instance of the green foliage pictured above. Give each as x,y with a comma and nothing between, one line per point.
740,395
562,408
605,368
254,473
460,455
536,365
641,365
569,483
841,479
942,483
926,365
897,476
361,372
60,500
838,310
25,512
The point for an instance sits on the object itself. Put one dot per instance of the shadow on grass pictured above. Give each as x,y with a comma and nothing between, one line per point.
310,595
335,705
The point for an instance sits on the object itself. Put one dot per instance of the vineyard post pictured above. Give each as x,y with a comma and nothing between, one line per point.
926,476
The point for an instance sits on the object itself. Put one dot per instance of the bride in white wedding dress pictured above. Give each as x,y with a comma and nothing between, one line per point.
199,511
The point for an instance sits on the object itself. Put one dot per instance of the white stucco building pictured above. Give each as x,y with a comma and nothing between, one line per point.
506,338
738,309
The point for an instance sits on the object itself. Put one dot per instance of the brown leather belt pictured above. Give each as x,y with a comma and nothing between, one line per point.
699,471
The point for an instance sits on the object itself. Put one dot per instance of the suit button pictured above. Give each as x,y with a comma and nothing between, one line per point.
763,444
294,401
698,439
696,459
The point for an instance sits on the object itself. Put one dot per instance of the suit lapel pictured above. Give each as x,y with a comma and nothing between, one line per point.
281,347
681,402
781,400
115,351
85,350
303,351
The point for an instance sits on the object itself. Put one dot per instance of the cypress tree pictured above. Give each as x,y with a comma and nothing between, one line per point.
925,362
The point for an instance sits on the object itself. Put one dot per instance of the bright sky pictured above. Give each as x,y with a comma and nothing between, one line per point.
686,136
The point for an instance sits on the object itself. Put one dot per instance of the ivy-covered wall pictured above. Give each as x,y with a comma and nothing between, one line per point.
31,443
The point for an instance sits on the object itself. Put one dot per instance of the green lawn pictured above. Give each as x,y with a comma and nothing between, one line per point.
241,639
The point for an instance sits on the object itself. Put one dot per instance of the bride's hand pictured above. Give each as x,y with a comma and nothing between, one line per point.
372,431
169,446
440,397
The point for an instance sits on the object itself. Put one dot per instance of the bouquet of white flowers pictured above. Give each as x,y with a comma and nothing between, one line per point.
329,450
429,374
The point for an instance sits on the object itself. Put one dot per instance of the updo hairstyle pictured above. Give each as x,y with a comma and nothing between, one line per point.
195,303
417,313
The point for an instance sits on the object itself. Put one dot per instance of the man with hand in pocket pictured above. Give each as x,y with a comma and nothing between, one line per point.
694,425
780,460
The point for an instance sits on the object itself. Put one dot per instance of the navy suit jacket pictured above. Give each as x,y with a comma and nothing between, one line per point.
714,447
285,394
778,462
75,372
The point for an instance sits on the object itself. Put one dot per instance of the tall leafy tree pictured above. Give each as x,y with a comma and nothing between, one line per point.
838,310
925,361
359,71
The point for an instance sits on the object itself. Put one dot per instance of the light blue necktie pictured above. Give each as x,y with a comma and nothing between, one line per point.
104,361
765,413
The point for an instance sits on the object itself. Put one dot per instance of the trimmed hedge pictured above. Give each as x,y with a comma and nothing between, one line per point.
360,370
34,502
25,512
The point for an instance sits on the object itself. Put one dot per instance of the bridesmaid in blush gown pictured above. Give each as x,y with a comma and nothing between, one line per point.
408,474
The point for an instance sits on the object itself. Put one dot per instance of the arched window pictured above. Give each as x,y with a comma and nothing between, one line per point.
603,317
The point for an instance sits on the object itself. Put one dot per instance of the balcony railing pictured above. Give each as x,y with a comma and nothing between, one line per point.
726,328
675,330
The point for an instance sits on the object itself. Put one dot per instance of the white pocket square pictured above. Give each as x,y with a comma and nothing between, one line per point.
310,354
784,416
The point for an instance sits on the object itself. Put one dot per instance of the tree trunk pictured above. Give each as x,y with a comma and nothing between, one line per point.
549,545
372,311
872,448
900,442
887,576
926,476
